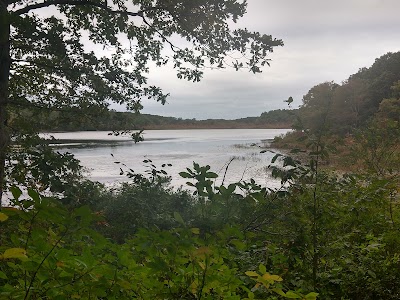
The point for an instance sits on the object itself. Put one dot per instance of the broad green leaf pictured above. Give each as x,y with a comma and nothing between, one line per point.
251,274
274,277
211,175
3,275
195,230
311,296
231,188
34,195
178,218
279,292
3,217
262,269
16,192
14,253
292,295
185,175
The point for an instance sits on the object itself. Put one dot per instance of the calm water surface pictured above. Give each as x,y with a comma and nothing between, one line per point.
99,151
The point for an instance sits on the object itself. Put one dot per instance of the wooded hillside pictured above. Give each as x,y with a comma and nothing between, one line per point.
344,108
103,119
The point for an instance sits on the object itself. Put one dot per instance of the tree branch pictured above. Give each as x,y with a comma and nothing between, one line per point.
43,260
42,64
9,2
82,3
164,38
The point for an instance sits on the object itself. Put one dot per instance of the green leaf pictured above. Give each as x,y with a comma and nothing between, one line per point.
292,295
270,277
16,192
262,269
231,188
251,273
279,292
3,275
311,296
185,175
195,230
275,158
211,175
34,195
3,217
18,253
371,273
178,218
250,295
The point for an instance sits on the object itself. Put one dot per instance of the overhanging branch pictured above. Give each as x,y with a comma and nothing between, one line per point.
42,64
163,37
9,2
28,8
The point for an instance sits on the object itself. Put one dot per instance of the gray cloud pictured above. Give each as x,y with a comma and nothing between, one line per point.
324,41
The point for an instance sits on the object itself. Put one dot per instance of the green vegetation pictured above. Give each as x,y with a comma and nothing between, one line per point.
320,235
343,109
351,132
361,115
71,120
47,62
324,234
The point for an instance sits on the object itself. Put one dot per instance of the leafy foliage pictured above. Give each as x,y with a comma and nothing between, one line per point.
35,164
54,62
67,75
56,255
348,107
71,119
335,236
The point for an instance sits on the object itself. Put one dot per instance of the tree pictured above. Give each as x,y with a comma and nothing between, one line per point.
389,109
46,61
316,106
380,77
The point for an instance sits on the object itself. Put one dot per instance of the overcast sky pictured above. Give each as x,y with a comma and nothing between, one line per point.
324,41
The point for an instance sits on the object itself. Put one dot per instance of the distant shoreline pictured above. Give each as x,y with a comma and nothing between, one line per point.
67,121
172,127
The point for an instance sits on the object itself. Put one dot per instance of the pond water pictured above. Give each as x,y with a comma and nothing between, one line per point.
99,151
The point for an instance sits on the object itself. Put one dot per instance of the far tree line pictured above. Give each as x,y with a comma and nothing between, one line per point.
370,95
103,119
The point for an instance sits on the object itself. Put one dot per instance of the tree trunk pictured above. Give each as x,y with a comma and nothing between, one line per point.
5,62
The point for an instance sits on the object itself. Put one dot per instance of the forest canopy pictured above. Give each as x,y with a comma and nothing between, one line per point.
344,108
